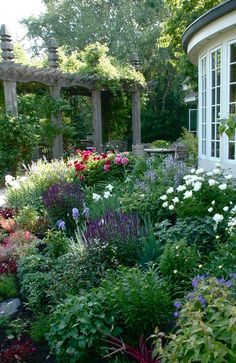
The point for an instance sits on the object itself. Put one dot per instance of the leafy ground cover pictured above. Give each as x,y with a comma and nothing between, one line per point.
120,259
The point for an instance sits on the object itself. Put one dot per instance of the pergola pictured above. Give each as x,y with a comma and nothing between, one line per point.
56,80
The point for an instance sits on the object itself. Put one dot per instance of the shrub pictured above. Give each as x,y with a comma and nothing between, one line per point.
56,243
8,287
206,324
178,261
191,143
27,218
77,326
161,143
40,327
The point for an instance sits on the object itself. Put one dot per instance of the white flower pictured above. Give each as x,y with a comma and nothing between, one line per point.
209,173
163,197
175,272
107,194
200,266
192,171
170,190
188,194
218,218
225,209
210,209
212,182
200,171
165,205
216,171
177,247
228,176
217,237
142,195
175,200
109,187
171,207
197,186
181,188
213,202
223,186
186,177
96,197
220,267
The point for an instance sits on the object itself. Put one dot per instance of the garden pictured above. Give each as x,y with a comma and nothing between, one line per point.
118,258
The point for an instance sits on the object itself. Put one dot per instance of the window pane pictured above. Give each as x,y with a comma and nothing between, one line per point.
204,147
218,77
212,149
213,131
213,114
232,108
213,100
213,60
231,150
233,53
218,96
213,79
218,149
218,58
233,73
233,93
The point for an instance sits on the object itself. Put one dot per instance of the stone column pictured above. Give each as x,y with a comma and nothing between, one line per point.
55,92
10,92
136,115
97,119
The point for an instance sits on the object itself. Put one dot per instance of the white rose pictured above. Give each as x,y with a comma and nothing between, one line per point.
163,197
170,190
188,194
216,171
212,182
210,209
222,186
225,209
165,205
186,177
218,218
197,186
200,171
175,200
171,207
192,171
181,188
209,173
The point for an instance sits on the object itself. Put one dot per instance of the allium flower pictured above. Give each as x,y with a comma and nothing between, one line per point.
170,190
171,207
228,176
96,197
188,194
61,225
75,213
165,205
163,197
181,188
222,186
212,182
218,218
125,161
225,209
109,187
210,209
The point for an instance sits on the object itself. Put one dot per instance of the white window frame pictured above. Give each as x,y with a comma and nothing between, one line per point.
229,161
213,50
200,119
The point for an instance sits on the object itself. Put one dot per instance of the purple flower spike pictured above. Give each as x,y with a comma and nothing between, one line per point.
178,305
61,225
176,314
75,213
202,301
86,212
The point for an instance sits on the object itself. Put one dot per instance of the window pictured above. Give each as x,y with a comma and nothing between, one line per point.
232,95
203,105
215,62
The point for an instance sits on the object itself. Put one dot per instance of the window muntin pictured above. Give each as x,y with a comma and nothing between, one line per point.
203,106
232,96
215,89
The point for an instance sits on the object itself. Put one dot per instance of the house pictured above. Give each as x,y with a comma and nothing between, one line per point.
210,42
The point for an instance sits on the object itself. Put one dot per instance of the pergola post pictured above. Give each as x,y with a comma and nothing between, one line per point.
136,114
55,92
10,92
97,119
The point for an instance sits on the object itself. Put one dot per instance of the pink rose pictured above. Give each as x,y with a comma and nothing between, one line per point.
106,167
117,160
125,161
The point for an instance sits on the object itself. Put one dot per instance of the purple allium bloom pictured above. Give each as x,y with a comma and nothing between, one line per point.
202,301
61,225
86,212
176,314
177,305
75,213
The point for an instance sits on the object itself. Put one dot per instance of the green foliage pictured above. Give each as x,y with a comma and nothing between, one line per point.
191,143
179,261
17,142
8,288
228,126
160,143
206,327
27,218
77,327
138,299
39,327
56,243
